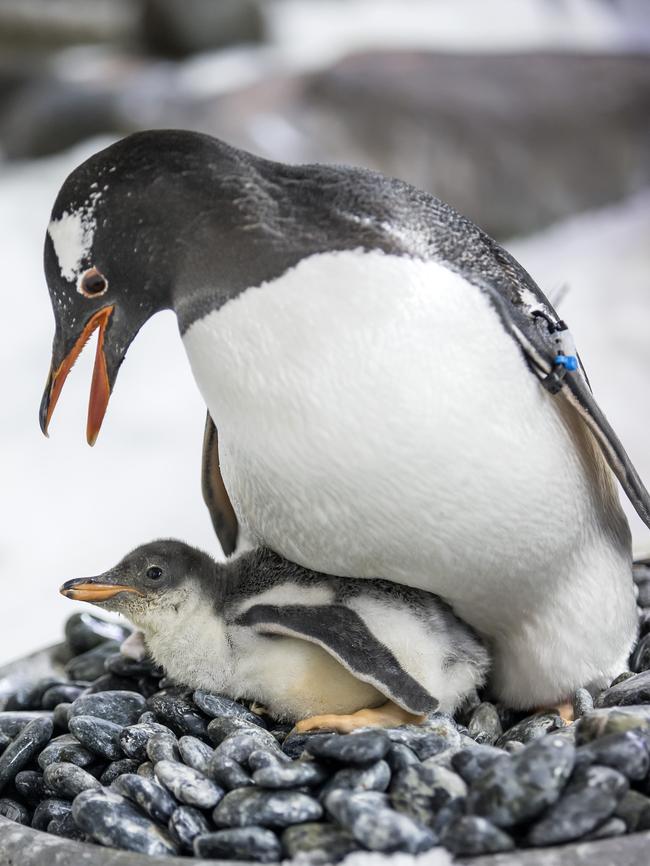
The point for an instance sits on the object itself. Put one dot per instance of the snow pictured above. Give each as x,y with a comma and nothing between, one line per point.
68,511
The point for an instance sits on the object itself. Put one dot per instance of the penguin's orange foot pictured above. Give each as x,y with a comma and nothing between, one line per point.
564,711
388,715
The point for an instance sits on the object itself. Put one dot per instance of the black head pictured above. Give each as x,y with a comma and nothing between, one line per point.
112,247
157,575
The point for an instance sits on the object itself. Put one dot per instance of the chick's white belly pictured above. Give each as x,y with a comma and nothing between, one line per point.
376,420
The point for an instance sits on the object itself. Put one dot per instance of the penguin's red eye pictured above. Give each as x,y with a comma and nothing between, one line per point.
154,573
92,283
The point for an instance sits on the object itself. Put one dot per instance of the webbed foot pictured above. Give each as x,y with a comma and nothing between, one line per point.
388,715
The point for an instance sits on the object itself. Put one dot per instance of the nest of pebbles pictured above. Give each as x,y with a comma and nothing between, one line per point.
114,754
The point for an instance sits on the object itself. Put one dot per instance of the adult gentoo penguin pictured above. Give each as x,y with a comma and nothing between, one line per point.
395,397
304,644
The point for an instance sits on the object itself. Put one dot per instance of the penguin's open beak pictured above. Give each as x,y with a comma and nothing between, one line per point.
93,589
100,389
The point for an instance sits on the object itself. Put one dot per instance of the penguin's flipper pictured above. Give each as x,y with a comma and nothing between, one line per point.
343,634
215,495
547,346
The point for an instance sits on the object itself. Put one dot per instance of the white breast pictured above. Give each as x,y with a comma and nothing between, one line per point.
376,420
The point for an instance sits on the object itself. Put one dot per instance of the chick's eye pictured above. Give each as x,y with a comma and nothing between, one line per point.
154,573
92,283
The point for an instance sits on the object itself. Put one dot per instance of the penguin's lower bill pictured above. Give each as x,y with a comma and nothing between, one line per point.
92,591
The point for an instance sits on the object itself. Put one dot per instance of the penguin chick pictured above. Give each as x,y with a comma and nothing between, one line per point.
333,652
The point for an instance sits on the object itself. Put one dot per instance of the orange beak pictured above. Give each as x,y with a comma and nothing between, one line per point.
84,589
100,391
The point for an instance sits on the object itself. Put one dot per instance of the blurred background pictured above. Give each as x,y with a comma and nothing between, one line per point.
530,116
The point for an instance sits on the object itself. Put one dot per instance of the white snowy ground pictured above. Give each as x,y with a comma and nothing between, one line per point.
67,510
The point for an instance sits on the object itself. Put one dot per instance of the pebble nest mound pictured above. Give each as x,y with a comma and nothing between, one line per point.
114,754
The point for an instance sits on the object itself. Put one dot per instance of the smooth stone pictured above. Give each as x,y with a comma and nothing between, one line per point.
626,752
61,715
65,749
49,809
424,743
246,806
375,777
294,744
162,747
84,632
318,844
146,770
188,785
90,665
239,747
110,683
65,826
14,811
485,725
12,723
134,738
122,666
531,728
420,791
217,706
227,773
241,843
583,702
23,748
98,735
399,757
294,774
589,799
634,810
222,729
361,748
122,708
113,821
512,791
611,720
4,741
173,709
118,768
633,690
514,747
148,718
62,693
67,780
470,835
186,823
471,763
376,827
446,816
640,658
29,695
152,798
31,786
195,753
611,827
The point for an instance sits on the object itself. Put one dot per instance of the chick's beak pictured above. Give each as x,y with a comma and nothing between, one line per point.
100,389
93,589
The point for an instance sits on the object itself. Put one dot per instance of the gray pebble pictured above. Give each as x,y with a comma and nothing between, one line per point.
68,780
113,821
121,707
188,785
371,778
294,745
49,809
611,720
64,825
512,791
147,718
359,748
98,735
531,728
611,827
420,791
377,828
485,725
60,694
221,706
14,811
23,748
31,786
148,794
590,798
195,753
582,703
244,807
162,747
470,835
61,715
626,752
640,659
242,843
146,770
239,747
127,667
471,763
634,810
83,632
318,844
186,823
227,773
118,768
90,665
224,727
12,723
173,709
399,757
134,738
633,690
